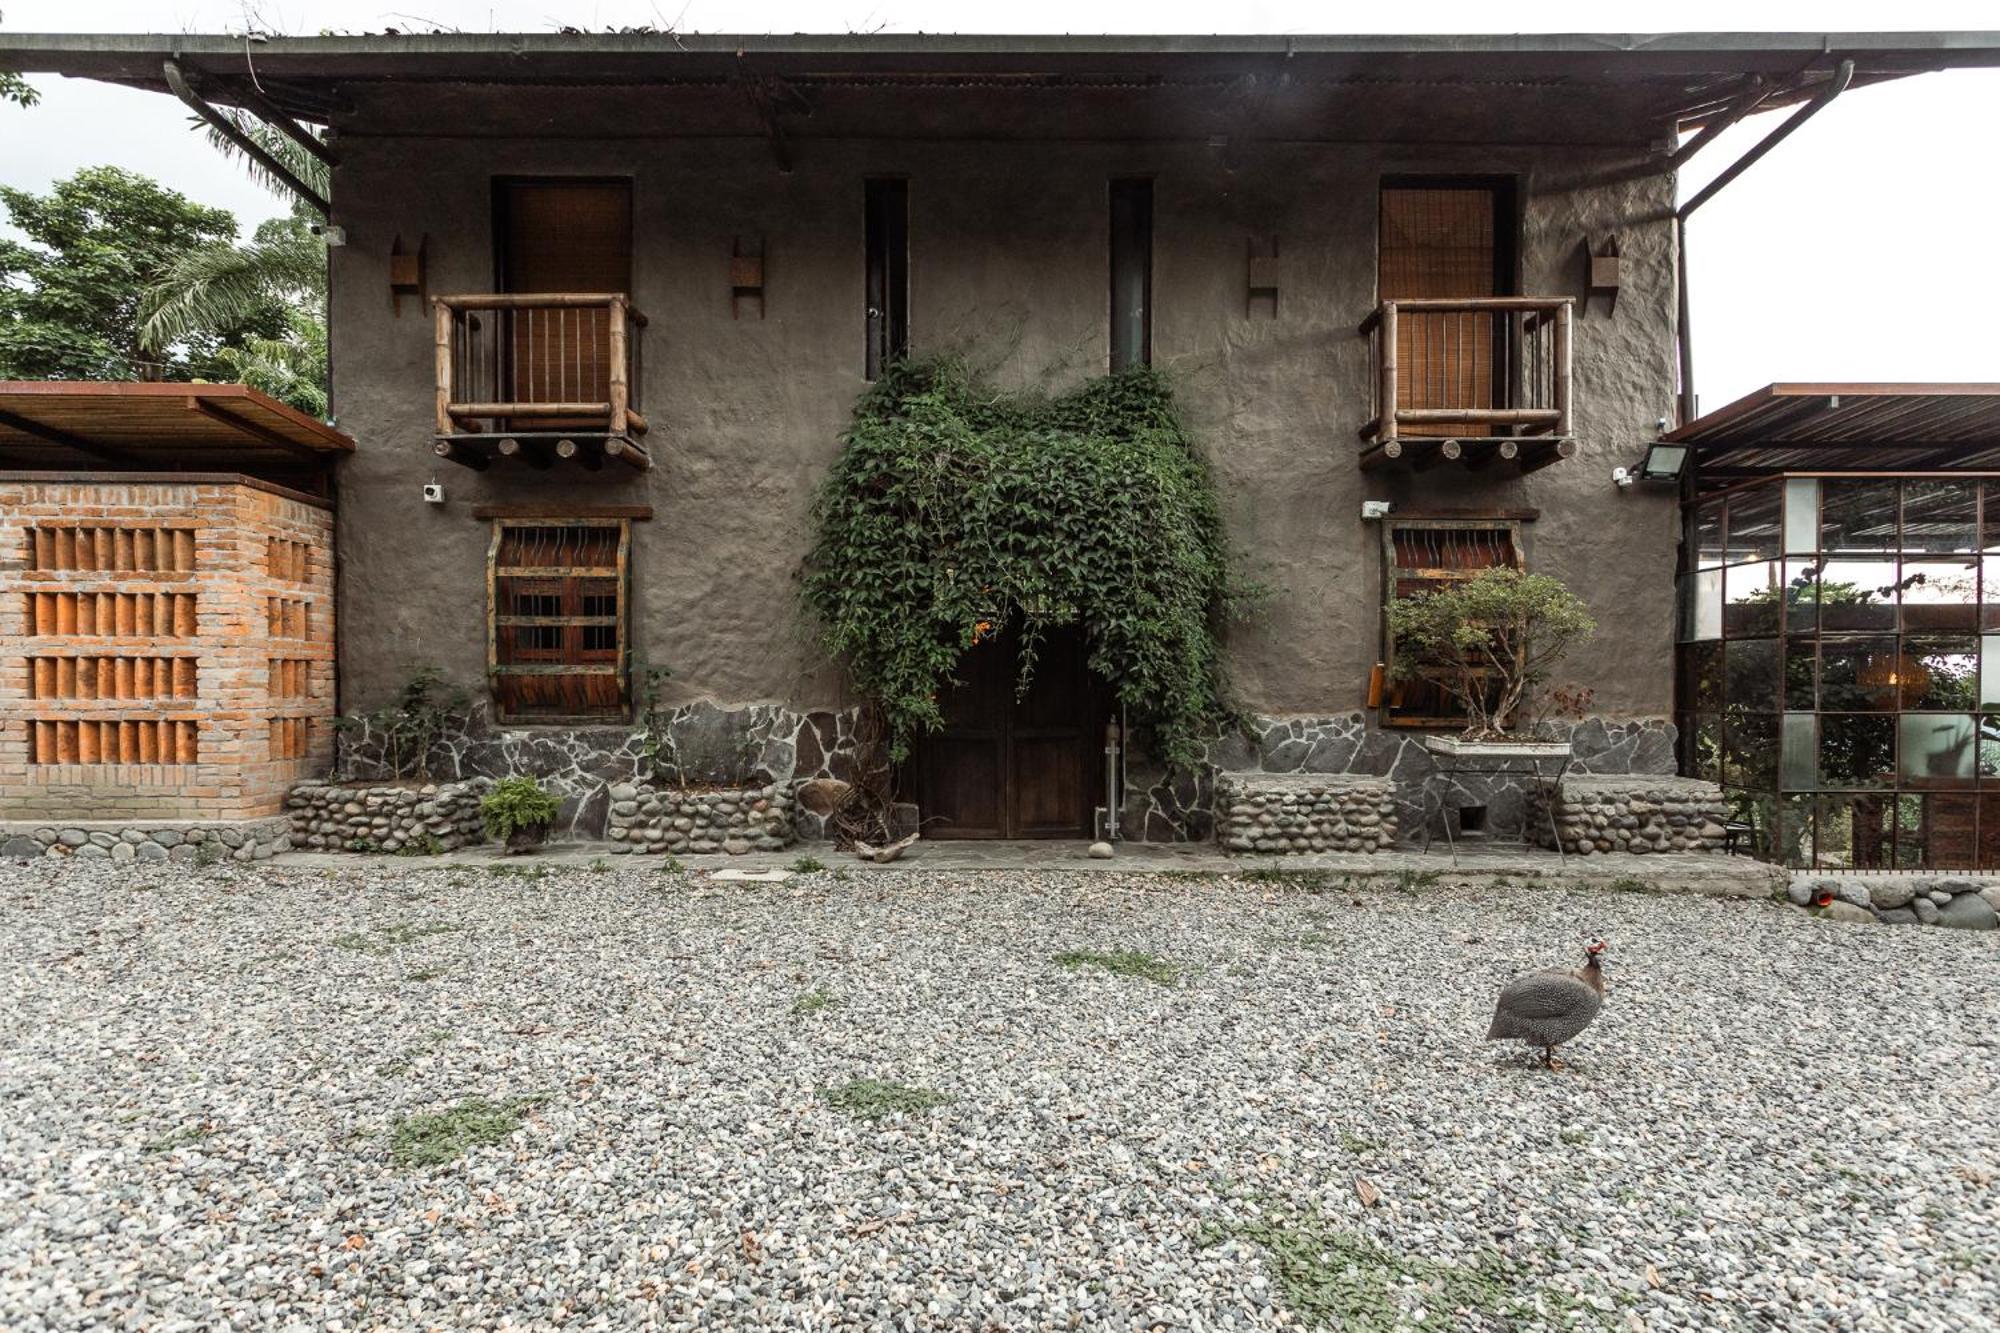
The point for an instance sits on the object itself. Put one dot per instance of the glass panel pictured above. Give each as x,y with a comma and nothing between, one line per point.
1758,809
1751,675
1705,761
1854,831
1945,833
1989,671
1753,524
1857,594
1989,752
1940,515
1857,516
1799,753
1989,610
1754,595
1801,516
1750,750
1856,750
1801,657
1939,594
1909,832
1801,596
1991,516
1795,841
1937,750
1701,677
1938,672
1701,605
1707,539
1858,675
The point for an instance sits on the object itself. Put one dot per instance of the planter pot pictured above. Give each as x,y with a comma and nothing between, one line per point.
1454,747
527,838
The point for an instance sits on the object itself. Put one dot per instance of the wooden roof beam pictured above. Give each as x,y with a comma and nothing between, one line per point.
255,430
53,435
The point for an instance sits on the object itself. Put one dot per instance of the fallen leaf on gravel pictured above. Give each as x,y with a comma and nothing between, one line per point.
752,1251
355,1242
1653,1278
1364,1189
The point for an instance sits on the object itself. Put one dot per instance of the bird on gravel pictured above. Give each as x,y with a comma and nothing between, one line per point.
1549,1007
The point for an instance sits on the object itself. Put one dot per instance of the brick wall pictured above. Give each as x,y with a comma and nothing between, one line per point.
166,648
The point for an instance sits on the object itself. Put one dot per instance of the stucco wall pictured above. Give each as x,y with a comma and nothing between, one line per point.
1009,256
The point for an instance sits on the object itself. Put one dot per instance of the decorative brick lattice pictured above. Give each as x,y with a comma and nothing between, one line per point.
166,647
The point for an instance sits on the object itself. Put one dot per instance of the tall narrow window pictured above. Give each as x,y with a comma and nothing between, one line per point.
1131,273
559,238
888,242
556,643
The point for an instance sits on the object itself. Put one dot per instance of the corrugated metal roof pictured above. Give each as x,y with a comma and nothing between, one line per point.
1848,427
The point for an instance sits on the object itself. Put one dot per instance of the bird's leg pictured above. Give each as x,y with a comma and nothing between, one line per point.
1549,1058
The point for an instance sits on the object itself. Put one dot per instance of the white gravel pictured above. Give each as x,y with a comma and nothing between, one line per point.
1778,1121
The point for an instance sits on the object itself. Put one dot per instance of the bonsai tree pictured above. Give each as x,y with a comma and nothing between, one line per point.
1488,641
519,813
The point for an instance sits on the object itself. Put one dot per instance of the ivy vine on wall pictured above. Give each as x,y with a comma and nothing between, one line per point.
956,510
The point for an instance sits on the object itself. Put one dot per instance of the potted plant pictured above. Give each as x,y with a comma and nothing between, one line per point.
519,813
1489,641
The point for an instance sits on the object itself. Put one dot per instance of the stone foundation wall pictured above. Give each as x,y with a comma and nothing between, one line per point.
1294,813
1901,900
1162,805
697,744
1631,814
434,817
698,820
199,842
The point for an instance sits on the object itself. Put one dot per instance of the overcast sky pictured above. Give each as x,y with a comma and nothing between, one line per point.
1859,250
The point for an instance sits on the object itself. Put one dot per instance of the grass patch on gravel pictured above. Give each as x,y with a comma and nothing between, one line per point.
1336,1278
185,1136
817,1000
382,941
432,1140
873,1098
1123,963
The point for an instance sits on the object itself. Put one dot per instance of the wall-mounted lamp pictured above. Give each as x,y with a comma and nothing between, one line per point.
1663,462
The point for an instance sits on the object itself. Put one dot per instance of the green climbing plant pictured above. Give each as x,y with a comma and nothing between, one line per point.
956,511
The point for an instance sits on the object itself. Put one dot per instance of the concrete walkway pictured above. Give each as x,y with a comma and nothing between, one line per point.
1706,875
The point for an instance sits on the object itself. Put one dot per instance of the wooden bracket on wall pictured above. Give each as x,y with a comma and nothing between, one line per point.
1603,274
746,276
407,274
1265,276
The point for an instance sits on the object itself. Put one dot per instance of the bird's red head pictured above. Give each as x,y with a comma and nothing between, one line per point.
1593,949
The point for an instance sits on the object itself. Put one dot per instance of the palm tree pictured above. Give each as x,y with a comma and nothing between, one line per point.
282,268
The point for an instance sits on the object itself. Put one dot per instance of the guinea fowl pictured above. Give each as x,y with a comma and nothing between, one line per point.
1549,1007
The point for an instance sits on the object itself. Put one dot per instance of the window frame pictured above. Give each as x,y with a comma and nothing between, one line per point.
885,248
1393,577
614,661
1134,193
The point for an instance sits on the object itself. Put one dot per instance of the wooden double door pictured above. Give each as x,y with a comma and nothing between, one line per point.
1017,765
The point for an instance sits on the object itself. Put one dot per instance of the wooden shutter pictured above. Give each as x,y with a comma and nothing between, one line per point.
556,237
1442,241
556,642
1424,555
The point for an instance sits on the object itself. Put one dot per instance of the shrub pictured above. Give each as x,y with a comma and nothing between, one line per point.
1488,640
517,805
407,728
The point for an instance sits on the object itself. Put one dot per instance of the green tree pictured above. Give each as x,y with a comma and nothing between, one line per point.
223,284
15,89
1488,640
70,291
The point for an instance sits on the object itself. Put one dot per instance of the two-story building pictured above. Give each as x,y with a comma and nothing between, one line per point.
601,306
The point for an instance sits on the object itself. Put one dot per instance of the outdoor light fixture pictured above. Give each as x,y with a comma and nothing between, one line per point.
1663,462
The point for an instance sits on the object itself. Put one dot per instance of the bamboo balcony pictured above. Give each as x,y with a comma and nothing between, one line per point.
540,378
1473,380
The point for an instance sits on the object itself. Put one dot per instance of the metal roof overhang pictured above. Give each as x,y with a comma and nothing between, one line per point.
1846,427
89,426
1675,78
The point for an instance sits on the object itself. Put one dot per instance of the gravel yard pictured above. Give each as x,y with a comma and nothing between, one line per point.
667,1101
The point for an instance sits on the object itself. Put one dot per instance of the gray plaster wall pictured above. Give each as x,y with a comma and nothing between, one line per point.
1009,257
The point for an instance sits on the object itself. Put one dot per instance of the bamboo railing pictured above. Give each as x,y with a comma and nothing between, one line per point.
1470,378
539,376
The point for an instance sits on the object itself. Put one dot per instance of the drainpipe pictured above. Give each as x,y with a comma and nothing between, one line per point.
227,129
1841,78
1114,765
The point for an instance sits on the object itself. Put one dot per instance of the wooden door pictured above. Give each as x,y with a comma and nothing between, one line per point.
1446,240
562,236
1008,765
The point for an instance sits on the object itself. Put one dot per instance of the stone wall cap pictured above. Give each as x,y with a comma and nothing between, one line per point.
1301,781
1621,782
